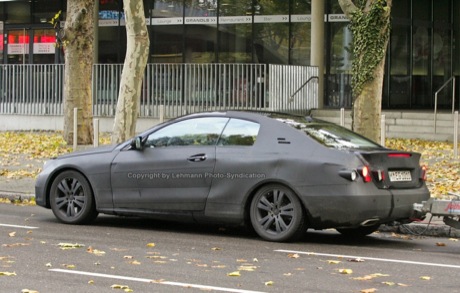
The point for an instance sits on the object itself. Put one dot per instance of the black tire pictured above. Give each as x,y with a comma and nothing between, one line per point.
358,232
71,198
277,215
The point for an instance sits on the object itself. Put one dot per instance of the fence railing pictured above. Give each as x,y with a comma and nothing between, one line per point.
172,89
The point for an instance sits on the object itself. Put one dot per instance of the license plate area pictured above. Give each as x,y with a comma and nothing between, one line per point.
399,176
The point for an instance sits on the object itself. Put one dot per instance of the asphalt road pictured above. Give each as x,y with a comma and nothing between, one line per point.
197,258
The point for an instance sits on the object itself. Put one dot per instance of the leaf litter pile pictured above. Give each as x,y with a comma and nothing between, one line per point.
22,154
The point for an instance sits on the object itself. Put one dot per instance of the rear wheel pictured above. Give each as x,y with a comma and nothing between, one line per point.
358,231
72,199
276,214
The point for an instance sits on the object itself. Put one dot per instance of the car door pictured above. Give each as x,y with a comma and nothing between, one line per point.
174,169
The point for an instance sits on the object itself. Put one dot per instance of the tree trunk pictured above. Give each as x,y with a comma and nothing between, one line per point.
78,45
133,71
370,40
367,106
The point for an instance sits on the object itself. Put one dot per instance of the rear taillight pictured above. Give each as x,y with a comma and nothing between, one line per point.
423,172
366,173
399,155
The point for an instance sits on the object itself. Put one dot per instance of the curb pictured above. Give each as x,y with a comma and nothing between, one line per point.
11,195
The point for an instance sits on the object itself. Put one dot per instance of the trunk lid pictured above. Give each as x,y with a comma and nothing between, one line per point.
394,169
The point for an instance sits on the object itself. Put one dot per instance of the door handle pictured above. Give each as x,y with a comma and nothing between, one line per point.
197,158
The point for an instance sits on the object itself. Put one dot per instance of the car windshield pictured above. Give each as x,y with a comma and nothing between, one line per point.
330,135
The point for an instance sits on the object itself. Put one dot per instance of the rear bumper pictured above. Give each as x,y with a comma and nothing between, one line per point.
350,206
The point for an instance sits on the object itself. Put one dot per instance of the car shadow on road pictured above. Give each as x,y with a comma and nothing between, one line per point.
326,237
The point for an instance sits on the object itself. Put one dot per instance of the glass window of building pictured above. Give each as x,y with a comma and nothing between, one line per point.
340,59
166,31
398,94
235,31
421,54
271,31
300,38
200,31
441,51
112,32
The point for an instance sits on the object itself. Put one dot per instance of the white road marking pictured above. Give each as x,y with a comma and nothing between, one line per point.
372,258
17,226
178,284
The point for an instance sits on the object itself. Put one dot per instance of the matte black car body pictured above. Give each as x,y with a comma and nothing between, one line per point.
317,186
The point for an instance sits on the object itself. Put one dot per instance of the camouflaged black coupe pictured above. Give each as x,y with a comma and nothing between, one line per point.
282,174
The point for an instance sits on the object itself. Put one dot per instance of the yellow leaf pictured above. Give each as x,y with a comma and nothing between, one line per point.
12,234
346,271
48,265
234,274
333,262
70,266
28,291
91,282
70,245
426,278
150,244
116,286
388,283
135,262
269,283
8,274
216,248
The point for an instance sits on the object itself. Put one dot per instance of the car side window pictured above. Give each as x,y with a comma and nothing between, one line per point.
239,132
190,132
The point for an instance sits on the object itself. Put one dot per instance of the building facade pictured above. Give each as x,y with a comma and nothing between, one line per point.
421,58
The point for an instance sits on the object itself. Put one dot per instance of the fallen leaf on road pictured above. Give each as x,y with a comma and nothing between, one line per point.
269,283
346,271
234,274
28,291
333,262
440,244
65,246
95,251
151,244
426,278
8,274
356,260
293,255
453,239
389,283
216,248
12,234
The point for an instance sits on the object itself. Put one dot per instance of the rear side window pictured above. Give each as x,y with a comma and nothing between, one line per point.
334,136
239,132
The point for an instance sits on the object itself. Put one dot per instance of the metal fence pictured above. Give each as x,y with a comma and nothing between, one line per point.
168,89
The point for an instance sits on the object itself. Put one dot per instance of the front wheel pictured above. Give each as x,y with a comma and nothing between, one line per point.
276,214
72,199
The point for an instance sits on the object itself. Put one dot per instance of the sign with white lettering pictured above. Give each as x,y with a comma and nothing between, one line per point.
235,19
166,21
44,48
16,49
201,20
271,18
301,18
337,18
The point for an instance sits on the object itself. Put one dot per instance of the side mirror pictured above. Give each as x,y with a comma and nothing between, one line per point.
136,143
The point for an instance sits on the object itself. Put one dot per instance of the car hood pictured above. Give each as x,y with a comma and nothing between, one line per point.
91,151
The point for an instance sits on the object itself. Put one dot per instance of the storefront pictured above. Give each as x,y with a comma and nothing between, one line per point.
421,54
